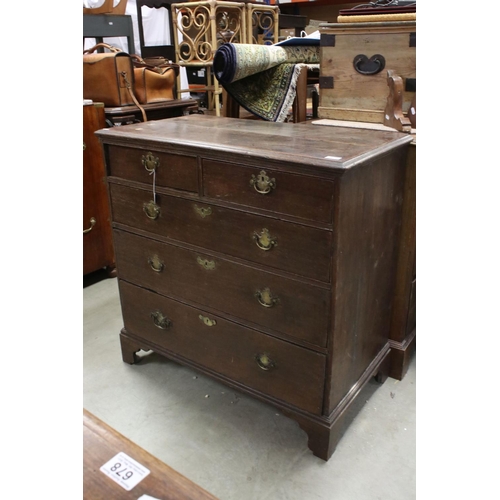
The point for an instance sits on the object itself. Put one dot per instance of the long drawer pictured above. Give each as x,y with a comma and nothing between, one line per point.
171,170
298,195
275,367
288,306
295,248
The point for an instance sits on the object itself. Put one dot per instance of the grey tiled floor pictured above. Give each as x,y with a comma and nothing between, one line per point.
232,445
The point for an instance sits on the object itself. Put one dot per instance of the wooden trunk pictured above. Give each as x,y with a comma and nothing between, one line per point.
264,255
354,61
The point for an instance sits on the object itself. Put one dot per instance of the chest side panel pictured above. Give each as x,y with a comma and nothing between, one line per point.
369,220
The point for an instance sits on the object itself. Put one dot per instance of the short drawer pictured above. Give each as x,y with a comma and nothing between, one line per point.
295,248
274,367
296,195
171,170
287,306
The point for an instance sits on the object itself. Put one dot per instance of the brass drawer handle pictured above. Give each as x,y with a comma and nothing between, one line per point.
150,162
265,362
156,264
160,321
209,265
262,183
264,240
266,298
207,321
202,211
92,224
151,209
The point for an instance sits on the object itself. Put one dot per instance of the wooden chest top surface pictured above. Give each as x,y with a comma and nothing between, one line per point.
331,148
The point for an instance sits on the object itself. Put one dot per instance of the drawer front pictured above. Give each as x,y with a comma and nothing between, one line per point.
172,171
298,249
284,305
296,195
289,373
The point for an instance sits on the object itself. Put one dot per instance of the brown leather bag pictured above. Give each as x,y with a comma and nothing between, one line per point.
108,77
154,83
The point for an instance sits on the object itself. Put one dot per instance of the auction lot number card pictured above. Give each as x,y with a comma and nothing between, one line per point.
125,471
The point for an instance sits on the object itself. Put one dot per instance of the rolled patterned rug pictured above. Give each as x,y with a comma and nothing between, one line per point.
234,61
262,78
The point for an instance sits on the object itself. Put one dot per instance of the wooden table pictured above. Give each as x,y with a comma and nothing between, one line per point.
154,111
101,443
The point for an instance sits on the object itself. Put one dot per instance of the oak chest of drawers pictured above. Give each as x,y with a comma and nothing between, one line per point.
262,254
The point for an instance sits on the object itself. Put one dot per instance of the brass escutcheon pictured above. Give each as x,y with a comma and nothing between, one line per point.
264,240
266,298
265,362
160,321
151,209
92,224
150,162
156,264
262,183
207,321
204,212
209,265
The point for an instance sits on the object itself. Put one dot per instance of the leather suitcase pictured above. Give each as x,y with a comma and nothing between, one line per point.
108,77
154,85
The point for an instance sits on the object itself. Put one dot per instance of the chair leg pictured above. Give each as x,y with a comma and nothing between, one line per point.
300,102
230,107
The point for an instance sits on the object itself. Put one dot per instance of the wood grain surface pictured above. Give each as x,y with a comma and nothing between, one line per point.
101,443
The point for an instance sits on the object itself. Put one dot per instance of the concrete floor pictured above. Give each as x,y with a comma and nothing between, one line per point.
230,444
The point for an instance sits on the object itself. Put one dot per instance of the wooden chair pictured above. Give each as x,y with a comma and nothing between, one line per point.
199,30
167,51
100,26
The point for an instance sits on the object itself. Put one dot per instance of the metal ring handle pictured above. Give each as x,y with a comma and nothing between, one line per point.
160,321
264,240
156,264
264,362
92,224
372,66
266,298
262,183
152,210
150,162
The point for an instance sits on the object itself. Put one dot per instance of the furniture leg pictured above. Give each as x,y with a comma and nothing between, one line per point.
401,355
129,348
383,371
111,270
323,436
